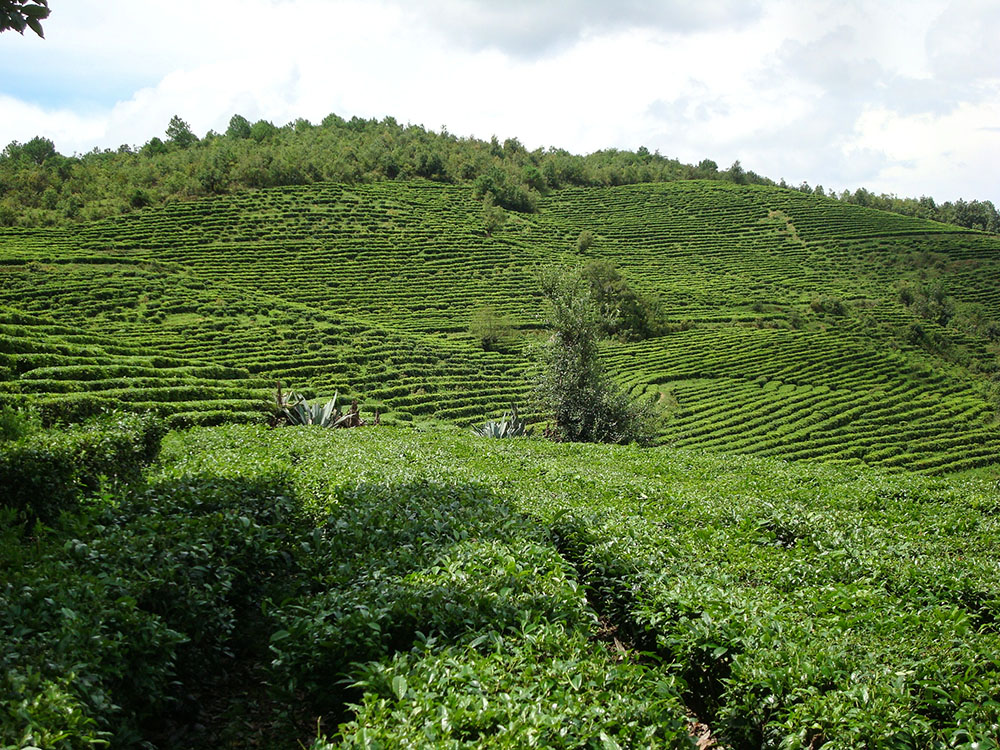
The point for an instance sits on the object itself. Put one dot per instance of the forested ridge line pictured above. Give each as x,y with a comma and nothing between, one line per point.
41,187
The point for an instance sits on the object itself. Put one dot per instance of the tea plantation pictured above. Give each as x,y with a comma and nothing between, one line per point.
383,587
789,336
806,558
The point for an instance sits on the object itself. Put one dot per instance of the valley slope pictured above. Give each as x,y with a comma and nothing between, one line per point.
790,336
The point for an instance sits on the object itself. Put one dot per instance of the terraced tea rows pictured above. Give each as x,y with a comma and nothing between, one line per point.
794,349
799,394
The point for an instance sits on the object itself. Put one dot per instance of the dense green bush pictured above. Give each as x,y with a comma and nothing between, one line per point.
46,471
505,190
122,620
15,423
536,687
491,329
829,305
408,562
930,301
622,311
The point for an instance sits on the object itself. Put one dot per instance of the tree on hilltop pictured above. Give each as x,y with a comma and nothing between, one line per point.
239,127
180,133
36,151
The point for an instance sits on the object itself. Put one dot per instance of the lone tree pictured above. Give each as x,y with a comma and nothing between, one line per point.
239,127
23,14
585,404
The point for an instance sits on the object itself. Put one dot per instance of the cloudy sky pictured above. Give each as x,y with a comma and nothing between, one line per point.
899,96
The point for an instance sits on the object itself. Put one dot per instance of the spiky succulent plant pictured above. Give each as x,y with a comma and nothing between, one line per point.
510,426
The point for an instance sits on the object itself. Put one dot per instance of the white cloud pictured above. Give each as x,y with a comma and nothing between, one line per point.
897,96
956,162
21,122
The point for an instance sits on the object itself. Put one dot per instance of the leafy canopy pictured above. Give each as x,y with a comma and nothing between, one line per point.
23,14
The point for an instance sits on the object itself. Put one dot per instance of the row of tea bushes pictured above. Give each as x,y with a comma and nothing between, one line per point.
45,471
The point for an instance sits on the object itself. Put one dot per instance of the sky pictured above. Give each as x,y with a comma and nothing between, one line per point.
896,96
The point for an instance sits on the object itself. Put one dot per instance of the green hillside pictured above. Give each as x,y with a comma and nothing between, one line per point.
789,333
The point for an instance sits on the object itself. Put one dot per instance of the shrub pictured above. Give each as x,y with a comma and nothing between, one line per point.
494,217
401,563
930,301
493,331
46,471
569,694
506,190
623,312
829,305
14,423
72,408
115,624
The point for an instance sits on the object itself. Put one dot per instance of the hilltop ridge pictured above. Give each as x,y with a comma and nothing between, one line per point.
41,187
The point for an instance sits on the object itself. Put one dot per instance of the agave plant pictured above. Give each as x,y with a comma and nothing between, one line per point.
295,409
510,426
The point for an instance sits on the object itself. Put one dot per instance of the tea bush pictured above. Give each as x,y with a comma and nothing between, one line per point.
46,471
121,612
534,687
414,561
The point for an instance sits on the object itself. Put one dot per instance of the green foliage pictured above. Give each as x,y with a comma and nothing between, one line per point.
45,713
584,403
491,329
505,190
262,130
15,423
239,127
46,471
119,616
622,310
467,593
534,687
494,217
780,601
585,241
979,215
179,133
408,563
930,301
37,151
828,305
23,14
99,183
